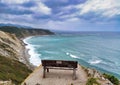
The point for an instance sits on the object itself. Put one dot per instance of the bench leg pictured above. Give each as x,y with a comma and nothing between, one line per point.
74,74
47,69
44,69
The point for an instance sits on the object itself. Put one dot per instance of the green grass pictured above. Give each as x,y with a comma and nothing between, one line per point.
13,70
92,81
112,78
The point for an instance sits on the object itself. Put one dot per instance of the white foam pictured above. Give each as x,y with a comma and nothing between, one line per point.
25,40
95,61
34,57
67,53
71,55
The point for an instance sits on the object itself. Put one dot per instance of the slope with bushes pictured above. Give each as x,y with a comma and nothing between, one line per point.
13,70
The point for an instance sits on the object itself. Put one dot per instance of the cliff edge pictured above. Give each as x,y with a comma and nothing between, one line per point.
14,60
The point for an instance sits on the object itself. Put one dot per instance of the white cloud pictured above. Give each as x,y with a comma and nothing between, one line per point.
72,19
63,1
67,16
73,24
14,1
16,18
107,8
41,9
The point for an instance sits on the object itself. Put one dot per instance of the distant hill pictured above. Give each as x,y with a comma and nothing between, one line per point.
24,32
15,25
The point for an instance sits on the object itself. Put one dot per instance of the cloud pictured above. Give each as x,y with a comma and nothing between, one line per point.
29,4
107,8
15,10
14,1
41,8
17,18
19,7
62,14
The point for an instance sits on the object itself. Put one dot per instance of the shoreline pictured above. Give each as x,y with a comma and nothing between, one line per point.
27,55
27,50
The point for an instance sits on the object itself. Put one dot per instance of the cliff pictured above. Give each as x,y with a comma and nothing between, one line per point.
14,64
11,43
12,59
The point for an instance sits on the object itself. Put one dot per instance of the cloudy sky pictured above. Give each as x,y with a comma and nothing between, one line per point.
70,15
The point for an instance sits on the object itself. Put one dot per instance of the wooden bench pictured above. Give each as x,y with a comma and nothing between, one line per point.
59,64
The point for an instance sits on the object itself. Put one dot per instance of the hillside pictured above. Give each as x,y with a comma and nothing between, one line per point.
12,58
14,70
24,32
14,62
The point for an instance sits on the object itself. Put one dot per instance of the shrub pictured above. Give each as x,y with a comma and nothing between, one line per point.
92,81
13,70
112,78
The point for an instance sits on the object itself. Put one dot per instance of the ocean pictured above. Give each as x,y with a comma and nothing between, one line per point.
99,50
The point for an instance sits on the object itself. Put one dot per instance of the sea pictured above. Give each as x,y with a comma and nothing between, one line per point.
97,50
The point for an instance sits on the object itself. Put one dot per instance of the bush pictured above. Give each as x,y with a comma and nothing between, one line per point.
13,70
111,78
92,81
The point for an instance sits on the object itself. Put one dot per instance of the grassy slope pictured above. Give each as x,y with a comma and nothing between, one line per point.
12,69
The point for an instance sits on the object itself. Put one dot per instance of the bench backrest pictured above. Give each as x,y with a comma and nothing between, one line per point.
59,63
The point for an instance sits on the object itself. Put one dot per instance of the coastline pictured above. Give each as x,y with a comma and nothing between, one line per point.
26,55
27,50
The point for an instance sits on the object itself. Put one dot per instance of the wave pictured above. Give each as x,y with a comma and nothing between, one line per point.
71,55
34,57
25,40
95,61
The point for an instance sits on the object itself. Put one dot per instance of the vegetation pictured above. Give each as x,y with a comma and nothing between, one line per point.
5,45
23,32
7,40
13,70
7,48
92,81
112,78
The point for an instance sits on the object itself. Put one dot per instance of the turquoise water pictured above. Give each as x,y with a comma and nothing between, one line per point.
96,50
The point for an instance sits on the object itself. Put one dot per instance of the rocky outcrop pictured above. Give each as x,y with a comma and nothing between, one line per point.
93,73
9,45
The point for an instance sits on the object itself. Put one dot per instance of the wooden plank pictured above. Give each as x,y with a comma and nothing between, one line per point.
59,63
60,68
